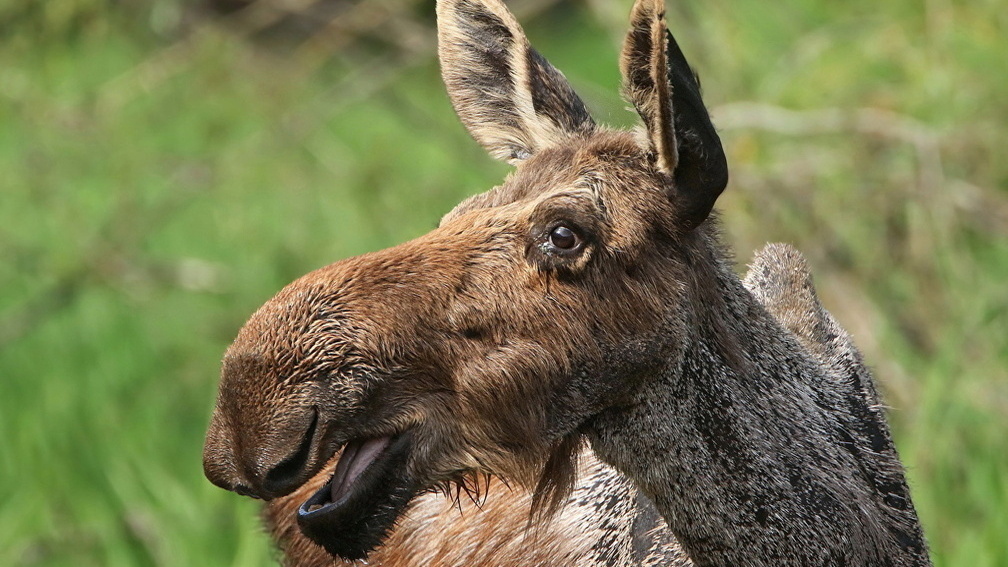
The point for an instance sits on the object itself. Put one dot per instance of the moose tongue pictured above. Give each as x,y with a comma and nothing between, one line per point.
355,459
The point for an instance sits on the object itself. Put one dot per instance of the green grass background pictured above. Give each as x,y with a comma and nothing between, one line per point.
163,173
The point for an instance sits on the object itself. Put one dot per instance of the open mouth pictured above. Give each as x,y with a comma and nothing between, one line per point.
370,488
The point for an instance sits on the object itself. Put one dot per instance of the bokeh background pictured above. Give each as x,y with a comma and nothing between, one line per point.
166,166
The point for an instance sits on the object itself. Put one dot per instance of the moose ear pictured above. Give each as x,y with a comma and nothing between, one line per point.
512,101
666,93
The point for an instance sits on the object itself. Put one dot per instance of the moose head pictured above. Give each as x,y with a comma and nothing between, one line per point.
488,345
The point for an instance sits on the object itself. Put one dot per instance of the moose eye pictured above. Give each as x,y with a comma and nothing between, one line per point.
563,238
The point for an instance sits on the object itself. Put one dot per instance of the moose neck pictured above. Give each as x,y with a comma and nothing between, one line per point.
755,452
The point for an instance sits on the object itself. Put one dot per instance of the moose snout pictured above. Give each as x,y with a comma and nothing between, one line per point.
268,469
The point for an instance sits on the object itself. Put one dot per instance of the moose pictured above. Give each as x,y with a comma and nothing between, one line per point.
588,298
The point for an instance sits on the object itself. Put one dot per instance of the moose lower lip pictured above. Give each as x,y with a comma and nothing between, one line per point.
370,488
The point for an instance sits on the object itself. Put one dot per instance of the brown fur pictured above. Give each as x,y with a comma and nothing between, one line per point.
588,297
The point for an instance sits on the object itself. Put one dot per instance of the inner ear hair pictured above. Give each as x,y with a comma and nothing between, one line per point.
509,97
666,93
646,84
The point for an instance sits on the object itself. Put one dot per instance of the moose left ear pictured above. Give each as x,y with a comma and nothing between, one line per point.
512,101
666,93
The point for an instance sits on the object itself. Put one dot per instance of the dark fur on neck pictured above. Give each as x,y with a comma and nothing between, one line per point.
760,445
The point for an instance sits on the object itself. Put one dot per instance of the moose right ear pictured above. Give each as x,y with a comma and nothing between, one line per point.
512,101
666,93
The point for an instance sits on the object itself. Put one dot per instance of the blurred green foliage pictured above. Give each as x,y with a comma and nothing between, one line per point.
165,171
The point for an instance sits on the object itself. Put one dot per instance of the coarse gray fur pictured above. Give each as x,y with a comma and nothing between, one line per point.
779,454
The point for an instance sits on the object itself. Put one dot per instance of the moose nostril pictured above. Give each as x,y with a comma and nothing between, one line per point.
288,474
